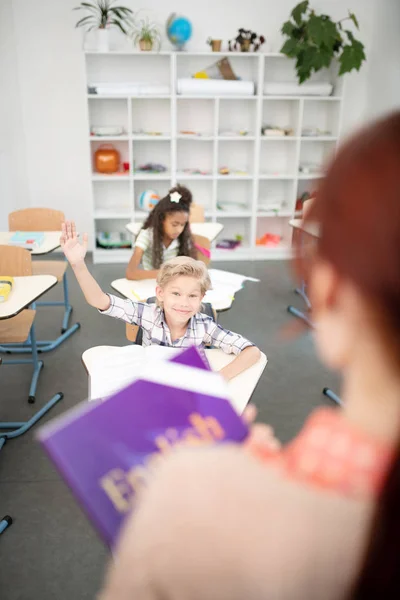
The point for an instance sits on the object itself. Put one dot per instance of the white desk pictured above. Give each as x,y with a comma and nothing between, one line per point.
309,228
25,290
208,230
240,387
142,289
50,243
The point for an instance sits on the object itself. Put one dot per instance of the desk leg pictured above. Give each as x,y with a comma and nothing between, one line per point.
22,427
4,523
332,396
304,317
48,345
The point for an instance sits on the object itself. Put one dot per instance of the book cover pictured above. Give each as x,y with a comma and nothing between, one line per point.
106,450
27,239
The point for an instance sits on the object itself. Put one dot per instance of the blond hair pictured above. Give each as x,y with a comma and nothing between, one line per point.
187,267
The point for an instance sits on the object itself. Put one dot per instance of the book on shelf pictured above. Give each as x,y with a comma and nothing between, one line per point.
30,240
107,450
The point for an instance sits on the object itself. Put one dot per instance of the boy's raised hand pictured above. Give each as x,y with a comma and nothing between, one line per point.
74,251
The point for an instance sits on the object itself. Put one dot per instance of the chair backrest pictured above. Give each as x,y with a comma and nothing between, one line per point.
131,332
15,262
36,219
196,213
203,248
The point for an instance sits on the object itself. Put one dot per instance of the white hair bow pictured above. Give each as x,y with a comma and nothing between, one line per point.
175,197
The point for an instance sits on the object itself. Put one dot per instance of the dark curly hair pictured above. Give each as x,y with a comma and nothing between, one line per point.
156,219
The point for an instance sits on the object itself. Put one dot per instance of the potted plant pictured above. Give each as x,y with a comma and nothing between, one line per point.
314,40
101,16
215,44
146,34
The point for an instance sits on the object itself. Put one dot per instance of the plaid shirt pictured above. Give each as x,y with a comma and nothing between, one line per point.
201,330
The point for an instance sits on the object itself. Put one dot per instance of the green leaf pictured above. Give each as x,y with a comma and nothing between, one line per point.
350,35
123,9
290,48
322,31
85,21
119,25
298,11
354,19
288,28
352,57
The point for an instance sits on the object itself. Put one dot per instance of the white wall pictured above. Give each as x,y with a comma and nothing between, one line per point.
43,108
14,191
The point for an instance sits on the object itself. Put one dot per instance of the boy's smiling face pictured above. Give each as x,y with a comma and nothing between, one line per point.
181,298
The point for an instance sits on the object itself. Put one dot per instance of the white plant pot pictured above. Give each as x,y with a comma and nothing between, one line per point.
102,40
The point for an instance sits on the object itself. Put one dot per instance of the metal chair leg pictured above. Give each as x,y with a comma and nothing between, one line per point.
4,523
332,396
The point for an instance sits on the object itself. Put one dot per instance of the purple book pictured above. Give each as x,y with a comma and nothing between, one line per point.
106,449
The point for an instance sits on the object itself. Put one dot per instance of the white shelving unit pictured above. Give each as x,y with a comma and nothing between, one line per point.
259,195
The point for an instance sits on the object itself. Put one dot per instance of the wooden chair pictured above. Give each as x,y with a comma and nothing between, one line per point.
17,262
47,219
203,246
196,213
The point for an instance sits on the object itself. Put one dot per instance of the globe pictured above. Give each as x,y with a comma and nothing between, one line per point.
179,30
148,199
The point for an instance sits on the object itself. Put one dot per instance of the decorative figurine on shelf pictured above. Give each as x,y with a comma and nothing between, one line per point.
148,199
246,41
179,30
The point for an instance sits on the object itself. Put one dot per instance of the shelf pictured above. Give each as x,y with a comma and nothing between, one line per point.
227,214
107,138
317,98
194,137
274,213
318,138
277,176
213,97
150,138
184,54
234,177
271,181
113,214
111,177
127,96
279,138
115,255
186,176
140,176
236,138
311,175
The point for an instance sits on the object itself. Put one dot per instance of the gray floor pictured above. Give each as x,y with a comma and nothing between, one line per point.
51,551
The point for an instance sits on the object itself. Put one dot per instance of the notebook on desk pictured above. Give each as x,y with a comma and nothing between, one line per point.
106,451
30,240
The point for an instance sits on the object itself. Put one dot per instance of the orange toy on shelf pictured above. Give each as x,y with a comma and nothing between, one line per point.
269,239
106,159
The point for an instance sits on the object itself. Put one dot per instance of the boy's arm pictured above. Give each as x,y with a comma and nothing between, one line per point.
75,253
232,343
92,291
248,357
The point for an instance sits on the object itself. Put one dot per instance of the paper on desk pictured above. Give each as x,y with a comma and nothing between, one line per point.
117,368
225,279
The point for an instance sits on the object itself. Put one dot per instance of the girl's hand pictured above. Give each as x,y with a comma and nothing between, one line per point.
261,437
74,251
